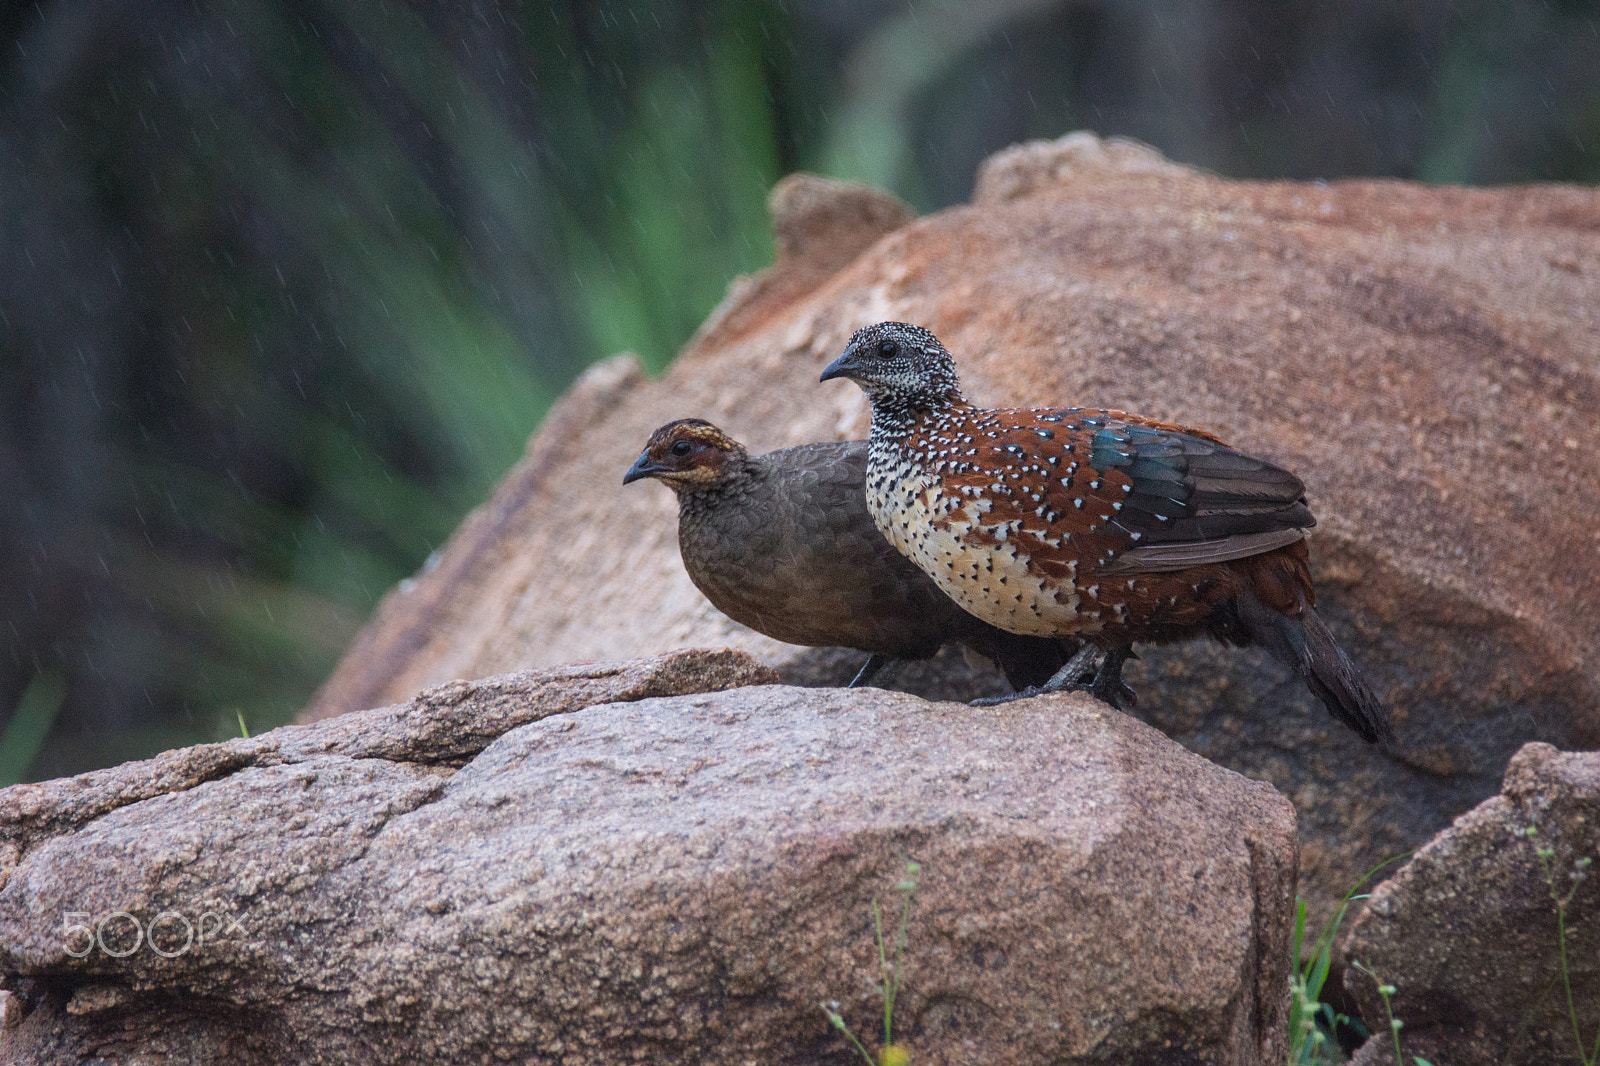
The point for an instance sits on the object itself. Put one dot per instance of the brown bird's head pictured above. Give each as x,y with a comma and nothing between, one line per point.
898,366
687,455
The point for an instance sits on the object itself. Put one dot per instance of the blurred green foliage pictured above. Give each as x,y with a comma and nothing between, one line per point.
285,284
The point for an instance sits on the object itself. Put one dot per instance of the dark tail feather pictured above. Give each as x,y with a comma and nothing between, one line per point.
1306,647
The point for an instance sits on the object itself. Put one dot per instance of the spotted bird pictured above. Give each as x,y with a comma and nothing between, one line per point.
1102,525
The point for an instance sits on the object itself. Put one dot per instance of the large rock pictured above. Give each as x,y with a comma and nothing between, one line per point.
671,879
1466,931
446,725
1424,357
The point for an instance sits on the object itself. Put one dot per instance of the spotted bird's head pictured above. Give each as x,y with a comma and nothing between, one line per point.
686,455
898,366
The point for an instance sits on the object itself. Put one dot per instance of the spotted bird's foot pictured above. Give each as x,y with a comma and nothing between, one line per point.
1090,670
1107,686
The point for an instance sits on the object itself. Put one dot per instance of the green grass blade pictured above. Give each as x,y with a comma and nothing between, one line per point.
24,734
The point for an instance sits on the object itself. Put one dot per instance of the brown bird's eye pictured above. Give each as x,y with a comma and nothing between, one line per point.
683,447
887,347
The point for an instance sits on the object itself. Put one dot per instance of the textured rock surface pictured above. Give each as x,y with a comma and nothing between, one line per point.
446,725
1466,931
678,879
1424,358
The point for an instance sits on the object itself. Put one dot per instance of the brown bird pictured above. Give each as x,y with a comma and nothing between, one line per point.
1102,525
783,543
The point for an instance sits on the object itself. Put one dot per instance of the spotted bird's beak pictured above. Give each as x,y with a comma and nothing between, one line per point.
642,467
846,366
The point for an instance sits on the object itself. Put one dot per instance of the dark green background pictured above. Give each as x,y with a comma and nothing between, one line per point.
285,285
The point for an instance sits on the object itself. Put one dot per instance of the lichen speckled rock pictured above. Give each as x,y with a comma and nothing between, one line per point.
1466,931
1422,357
671,879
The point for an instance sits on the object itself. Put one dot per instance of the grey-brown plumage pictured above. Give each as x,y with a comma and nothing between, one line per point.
783,543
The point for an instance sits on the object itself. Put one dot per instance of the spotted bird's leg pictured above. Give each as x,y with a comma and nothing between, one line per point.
1077,670
1107,685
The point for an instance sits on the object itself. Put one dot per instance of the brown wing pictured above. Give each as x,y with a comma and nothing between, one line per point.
838,558
796,555
882,600
1114,493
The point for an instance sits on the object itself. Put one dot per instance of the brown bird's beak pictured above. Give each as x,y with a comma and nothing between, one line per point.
642,467
846,366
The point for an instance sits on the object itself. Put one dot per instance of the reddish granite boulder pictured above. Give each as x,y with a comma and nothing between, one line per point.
1466,932
520,869
1424,358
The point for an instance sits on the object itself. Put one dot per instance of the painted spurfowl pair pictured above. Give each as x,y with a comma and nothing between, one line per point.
1100,525
783,543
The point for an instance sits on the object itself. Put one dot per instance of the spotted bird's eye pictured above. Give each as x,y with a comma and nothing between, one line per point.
887,347
682,448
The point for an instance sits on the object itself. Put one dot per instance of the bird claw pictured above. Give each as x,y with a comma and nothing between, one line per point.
1125,696
1108,686
1090,670
995,701
1122,698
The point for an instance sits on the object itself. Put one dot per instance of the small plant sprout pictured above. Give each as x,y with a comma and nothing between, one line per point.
1306,1036
1312,1021
888,984
831,1009
1387,991
1588,1053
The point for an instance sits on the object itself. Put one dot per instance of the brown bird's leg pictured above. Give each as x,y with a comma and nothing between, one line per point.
869,670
